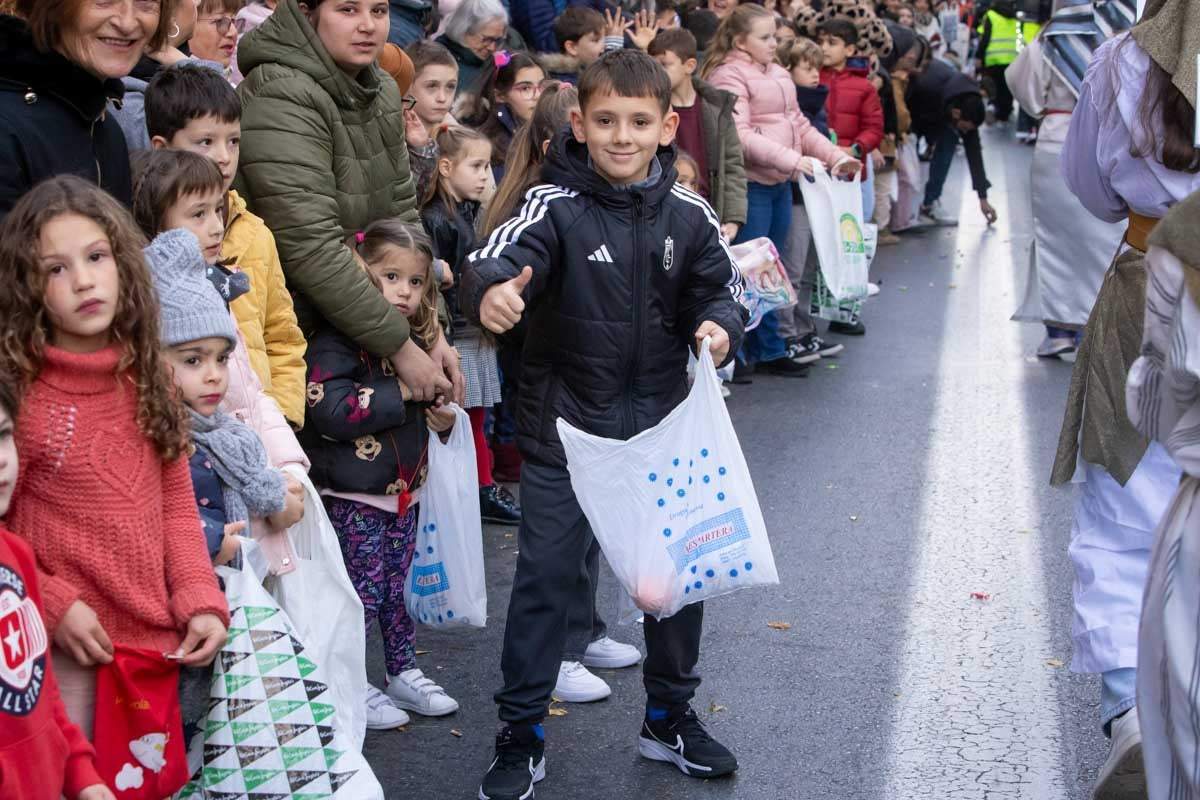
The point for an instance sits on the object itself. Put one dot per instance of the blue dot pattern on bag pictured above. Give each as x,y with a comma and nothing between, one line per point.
667,532
748,565
720,495
720,470
704,453
450,614
733,573
699,584
661,502
670,481
680,493
429,550
710,574
676,462
693,569
687,589
653,477
707,479
431,527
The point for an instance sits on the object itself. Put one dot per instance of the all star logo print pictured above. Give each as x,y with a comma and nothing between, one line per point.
23,644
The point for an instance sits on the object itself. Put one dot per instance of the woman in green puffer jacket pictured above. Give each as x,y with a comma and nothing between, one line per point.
323,155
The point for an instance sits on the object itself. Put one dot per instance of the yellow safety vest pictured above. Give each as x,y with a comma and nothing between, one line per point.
1002,47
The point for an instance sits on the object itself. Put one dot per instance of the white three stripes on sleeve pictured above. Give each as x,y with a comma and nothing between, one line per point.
735,278
537,203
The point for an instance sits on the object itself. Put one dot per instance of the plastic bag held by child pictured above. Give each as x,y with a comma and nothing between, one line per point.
674,508
140,751
767,285
325,609
446,586
272,726
835,213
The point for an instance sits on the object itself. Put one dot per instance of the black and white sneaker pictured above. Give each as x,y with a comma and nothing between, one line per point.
812,345
520,762
682,740
799,353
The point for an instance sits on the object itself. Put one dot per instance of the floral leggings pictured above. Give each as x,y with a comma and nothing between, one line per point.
377,547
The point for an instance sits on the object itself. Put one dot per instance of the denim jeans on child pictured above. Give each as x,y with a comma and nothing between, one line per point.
768,213
868,191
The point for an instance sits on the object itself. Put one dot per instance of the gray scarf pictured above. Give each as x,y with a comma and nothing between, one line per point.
249,485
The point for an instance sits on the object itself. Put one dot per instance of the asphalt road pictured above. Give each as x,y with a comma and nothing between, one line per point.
896,481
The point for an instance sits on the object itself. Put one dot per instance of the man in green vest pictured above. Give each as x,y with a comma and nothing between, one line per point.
1001,37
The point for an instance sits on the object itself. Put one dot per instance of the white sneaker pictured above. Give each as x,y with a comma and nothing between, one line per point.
1054,347
872,289
606,653
725,392
936,215
577,685
1123,776
381,714
413,691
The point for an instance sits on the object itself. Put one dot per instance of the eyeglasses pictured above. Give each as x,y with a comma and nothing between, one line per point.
492,41
527,89
408,103
222,24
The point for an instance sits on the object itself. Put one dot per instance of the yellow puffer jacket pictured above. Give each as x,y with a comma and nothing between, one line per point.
265,314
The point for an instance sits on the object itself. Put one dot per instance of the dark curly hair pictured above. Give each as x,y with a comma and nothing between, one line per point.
135,326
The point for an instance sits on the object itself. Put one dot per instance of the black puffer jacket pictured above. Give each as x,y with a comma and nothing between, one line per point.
453,238
359,433
53,121
622,279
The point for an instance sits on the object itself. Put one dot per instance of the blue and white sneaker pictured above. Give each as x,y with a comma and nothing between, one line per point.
680,738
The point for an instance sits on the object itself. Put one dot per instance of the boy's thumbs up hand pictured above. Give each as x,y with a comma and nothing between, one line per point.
502,304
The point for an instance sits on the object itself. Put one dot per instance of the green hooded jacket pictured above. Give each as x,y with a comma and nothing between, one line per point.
322,155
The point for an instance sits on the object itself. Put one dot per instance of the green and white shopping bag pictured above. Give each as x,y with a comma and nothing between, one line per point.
270,728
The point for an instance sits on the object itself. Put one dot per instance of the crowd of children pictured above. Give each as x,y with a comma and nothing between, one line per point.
300,275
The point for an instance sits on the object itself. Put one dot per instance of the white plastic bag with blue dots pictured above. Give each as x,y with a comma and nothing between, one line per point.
446,586
674,508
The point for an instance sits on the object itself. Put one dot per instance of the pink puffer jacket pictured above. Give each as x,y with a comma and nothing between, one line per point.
246,400
775,134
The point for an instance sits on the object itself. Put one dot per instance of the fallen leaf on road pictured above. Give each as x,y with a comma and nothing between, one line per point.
904,288
456,732
780,626
422,652
1054,662
557,712
854,518
952,286
980,596
831,366
714,708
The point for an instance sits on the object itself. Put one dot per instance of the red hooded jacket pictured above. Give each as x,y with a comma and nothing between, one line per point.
854,110
43,755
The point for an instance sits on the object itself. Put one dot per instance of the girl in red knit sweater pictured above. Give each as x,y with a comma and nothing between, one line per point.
33,722
105,497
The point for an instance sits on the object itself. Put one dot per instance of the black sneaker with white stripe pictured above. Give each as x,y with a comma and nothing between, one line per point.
520,762
681,739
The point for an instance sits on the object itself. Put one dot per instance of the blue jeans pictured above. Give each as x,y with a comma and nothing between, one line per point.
768,213
1118,694
939,167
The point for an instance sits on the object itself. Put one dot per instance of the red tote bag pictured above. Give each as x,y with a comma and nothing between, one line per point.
140,751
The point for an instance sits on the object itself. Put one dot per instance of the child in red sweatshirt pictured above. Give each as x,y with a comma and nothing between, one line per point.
43,755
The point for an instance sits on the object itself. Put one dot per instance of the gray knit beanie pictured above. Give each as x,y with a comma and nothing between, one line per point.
191,307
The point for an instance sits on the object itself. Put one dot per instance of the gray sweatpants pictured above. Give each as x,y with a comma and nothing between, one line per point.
800,261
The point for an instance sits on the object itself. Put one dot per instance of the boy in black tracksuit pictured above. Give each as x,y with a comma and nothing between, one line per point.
616,270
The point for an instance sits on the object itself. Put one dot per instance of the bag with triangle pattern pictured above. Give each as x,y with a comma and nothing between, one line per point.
270,730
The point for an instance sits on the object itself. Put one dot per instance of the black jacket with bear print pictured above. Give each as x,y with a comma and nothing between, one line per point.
359,433
622,277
